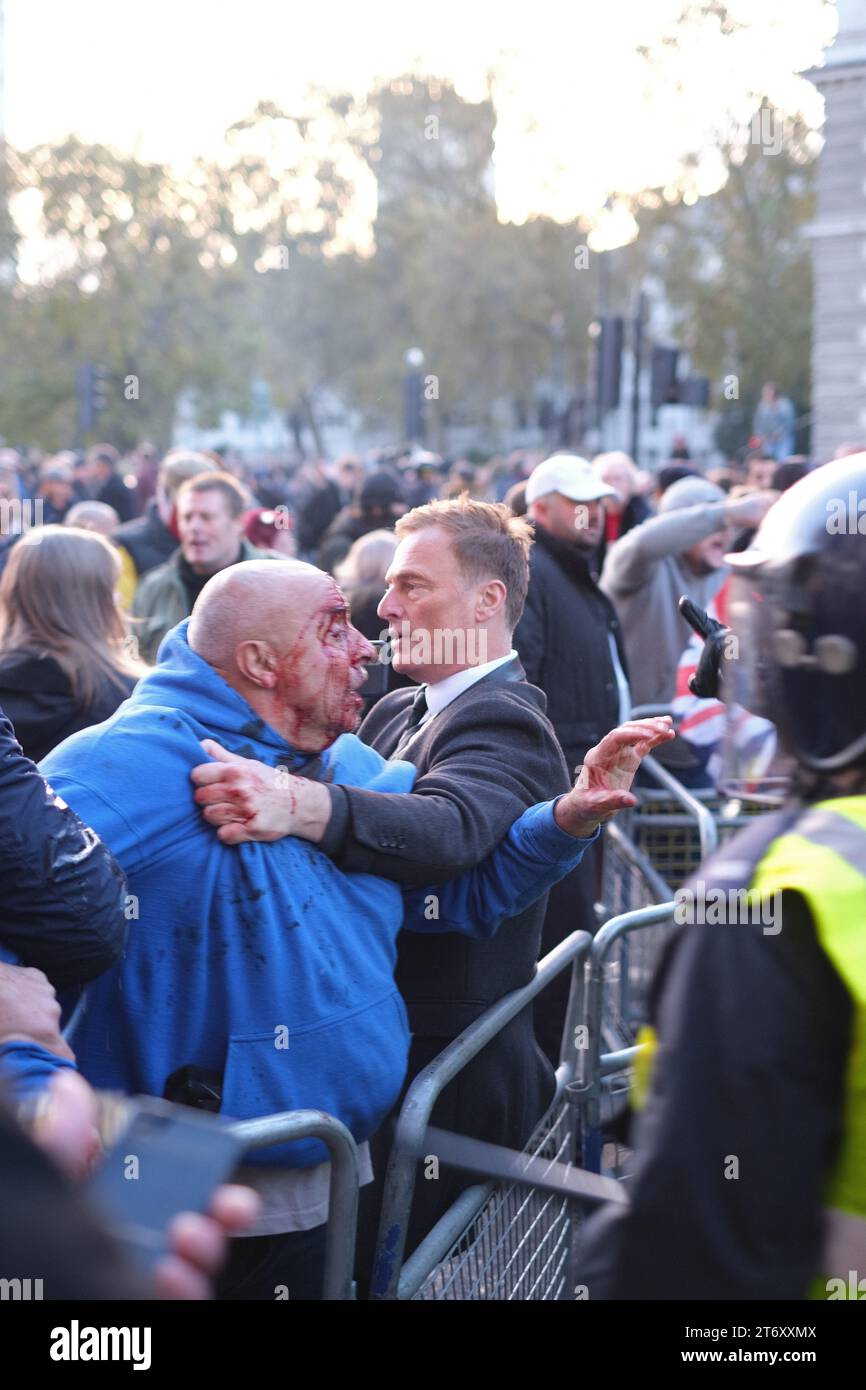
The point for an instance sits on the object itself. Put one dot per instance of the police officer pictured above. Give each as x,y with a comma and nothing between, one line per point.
750,1170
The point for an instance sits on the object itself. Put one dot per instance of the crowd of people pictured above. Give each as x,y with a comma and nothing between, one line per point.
279,893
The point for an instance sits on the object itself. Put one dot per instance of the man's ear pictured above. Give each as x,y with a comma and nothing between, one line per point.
490,601
257,662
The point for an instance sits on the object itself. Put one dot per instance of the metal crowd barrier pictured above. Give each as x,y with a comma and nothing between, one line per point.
498,1240
647,854
503,1241
338,1282
490,1244
596,1067
676,831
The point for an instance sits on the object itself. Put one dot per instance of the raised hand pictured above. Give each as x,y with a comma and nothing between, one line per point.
603,786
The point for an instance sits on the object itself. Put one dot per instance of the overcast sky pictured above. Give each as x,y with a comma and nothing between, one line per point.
579,113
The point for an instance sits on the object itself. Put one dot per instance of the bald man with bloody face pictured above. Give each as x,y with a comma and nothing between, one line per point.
284,641
259,977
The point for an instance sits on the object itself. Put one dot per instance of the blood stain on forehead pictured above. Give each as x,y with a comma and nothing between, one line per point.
323,709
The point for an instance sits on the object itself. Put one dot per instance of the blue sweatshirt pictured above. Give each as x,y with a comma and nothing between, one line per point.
262,962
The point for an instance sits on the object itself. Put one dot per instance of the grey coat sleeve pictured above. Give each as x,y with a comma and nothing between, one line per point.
61,891
484,773
630,561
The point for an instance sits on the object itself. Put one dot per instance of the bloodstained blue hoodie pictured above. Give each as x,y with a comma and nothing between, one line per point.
262,962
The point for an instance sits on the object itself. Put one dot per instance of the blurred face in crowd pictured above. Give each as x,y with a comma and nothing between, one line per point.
708,555
57,492
96,469
210,536
761,472
580,523
348,475
617,475
433,610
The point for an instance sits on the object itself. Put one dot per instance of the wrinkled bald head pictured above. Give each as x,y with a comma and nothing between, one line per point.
277,631
252,601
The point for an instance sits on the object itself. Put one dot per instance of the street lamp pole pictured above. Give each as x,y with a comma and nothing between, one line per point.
639,325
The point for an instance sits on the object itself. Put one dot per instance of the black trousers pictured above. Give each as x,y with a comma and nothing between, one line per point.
499,1097
267,1268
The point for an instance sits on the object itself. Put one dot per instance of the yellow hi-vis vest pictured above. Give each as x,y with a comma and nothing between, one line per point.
823,857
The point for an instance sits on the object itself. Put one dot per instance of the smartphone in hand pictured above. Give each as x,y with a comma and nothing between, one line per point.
168,1159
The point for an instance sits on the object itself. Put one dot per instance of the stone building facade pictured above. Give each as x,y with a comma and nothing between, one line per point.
839,243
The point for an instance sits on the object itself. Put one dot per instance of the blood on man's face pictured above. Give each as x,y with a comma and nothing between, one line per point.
319,678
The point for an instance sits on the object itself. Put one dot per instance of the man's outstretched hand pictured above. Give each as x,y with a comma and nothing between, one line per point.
247,800
603,787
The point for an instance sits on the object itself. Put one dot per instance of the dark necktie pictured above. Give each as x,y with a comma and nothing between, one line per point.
417,711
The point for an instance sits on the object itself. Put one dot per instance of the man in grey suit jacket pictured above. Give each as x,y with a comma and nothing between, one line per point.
485,751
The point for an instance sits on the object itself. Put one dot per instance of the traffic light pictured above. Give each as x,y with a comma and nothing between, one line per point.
695,390
666,389
663,376
610,341
91,390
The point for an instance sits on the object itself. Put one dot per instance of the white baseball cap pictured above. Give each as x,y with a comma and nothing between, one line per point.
569,475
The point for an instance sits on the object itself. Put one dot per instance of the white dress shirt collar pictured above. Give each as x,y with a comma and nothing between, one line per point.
440,695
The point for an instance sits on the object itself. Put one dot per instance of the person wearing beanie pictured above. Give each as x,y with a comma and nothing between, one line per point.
667,476
378,503
679,551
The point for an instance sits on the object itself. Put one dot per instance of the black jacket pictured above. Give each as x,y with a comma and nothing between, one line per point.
148,540
636,510
117,495
36,695
754,1032
315,512
563,642
61,891
347,527
481,762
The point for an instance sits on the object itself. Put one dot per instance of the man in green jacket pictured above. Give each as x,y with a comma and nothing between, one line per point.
210,520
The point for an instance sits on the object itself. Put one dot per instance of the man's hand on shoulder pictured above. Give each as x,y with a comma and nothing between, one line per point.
247,800
603,786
